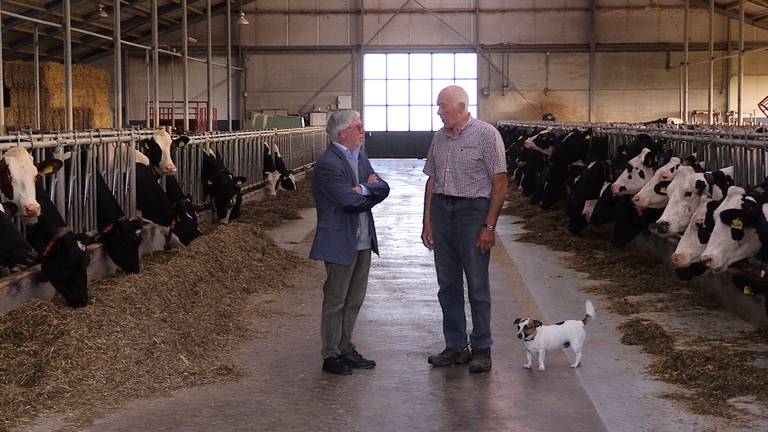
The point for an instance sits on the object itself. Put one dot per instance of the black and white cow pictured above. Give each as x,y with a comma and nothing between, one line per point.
63,259
222,188
14,249
276,173
686,193
156,151
120,236
566,163
732,239
18,174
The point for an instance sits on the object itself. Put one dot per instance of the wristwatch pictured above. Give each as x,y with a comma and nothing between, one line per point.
489,227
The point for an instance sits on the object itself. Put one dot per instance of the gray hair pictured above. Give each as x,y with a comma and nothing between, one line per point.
338,121
457,95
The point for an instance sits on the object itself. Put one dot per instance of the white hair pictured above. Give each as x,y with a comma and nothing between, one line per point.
338,121
457,95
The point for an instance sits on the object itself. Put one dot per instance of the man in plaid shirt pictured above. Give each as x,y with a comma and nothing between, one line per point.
467,182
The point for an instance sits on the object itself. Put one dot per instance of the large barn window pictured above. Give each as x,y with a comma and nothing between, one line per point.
400,90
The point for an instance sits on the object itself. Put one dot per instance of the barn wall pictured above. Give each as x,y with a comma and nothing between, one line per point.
629,85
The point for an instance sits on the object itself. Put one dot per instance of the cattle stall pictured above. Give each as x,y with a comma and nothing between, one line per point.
110,153
708,183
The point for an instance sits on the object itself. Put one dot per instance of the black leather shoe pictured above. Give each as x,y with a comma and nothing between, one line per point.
336,366
481,361
450,356
355,361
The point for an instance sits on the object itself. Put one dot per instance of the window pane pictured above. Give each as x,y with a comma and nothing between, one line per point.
470,86
421,92
442,65
397,66
437,124
375,66
438,85
397,92
466,65
375,92
397,118
421,118
421,66
375,118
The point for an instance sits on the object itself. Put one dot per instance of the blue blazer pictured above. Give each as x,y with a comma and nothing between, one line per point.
338,206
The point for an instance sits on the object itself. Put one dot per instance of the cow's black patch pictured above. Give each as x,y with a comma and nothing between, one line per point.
560,323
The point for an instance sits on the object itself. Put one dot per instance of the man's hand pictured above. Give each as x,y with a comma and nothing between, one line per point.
426,237
485,240
357,189
373,178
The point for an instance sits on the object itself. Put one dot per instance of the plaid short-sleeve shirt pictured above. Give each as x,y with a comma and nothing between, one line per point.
463,166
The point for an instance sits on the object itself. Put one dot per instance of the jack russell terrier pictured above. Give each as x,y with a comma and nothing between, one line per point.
539,338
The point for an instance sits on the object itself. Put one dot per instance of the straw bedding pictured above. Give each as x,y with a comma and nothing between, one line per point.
166,328
708,373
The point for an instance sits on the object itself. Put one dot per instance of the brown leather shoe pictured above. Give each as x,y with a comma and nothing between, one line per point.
481,361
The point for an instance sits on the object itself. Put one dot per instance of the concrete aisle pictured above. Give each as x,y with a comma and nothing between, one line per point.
399,327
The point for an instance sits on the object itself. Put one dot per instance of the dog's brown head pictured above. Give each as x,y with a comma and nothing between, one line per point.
526,328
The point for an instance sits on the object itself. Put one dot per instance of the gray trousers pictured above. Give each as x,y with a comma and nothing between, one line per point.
343,294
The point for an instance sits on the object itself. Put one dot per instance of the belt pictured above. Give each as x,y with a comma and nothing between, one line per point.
451,197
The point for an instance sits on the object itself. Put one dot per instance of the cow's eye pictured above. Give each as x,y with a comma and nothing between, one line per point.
688,194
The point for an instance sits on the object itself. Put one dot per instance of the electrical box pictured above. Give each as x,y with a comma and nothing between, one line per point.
317,118
344,102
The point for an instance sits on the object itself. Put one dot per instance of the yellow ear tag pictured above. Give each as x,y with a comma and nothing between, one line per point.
663,190
737,224
48,169
210,183
239,184
588,137
748,290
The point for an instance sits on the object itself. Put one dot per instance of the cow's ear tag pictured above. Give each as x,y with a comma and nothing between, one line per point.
663,190
748,290
210,183
588,137
737,223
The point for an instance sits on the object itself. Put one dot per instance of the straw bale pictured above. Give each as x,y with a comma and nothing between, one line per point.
168,327
90,96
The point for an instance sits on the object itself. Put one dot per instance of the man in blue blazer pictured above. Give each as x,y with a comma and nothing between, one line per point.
345,188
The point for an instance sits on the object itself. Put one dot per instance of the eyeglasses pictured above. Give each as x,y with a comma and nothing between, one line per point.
358,127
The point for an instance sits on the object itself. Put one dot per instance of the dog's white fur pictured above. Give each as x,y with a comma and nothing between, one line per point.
538,338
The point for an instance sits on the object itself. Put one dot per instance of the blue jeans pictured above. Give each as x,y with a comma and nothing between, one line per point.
456,224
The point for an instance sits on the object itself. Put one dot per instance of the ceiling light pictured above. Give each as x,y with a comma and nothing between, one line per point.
101,12
242,20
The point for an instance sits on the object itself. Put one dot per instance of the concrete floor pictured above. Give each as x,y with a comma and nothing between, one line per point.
399,326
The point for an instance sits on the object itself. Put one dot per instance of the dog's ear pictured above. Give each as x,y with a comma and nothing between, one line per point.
537,323
517,321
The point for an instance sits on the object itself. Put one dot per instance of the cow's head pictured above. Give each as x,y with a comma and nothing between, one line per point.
158,150
732,239
696,236
65,263
18,174
687,191
637,173
122,239
224,188
654,194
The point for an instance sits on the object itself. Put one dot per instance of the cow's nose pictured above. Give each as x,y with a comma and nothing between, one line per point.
170,168
678,258
708,260
32,209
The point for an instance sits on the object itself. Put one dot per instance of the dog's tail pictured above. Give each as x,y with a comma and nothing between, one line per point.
590,312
